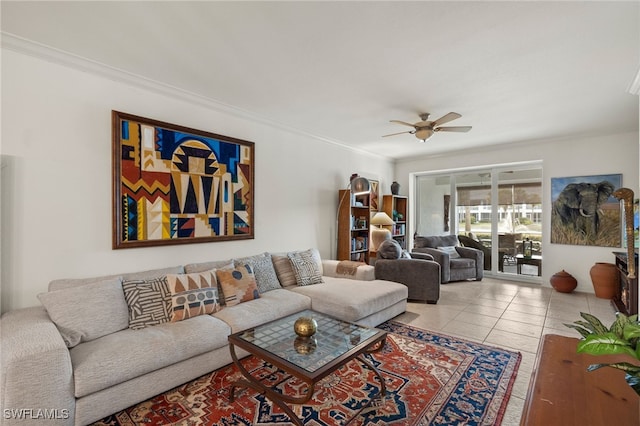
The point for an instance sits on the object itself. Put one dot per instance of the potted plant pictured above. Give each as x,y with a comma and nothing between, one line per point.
623,337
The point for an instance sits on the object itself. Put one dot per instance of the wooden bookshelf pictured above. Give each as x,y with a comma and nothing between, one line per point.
354,215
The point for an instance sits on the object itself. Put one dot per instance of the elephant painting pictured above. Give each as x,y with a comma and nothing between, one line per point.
579,215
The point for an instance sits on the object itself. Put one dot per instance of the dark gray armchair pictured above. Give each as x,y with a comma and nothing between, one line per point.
420,273
457,263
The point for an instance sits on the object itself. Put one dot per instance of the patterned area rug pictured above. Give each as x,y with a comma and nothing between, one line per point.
431,379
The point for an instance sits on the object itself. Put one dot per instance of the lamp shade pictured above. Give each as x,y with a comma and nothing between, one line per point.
381,219
360,185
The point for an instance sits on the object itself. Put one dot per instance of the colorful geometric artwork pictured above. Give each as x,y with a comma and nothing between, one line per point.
176,185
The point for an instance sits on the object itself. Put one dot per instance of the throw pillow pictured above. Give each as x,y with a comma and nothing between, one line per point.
238,284
193,295
265,273
389,249
284,270
87,312
149,302
305,268
451,250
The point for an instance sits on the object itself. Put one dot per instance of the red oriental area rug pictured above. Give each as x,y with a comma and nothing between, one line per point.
431,379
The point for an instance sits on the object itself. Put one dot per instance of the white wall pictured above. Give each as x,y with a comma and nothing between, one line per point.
56,177
568,157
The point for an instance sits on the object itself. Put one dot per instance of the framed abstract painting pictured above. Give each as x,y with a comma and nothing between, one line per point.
176,185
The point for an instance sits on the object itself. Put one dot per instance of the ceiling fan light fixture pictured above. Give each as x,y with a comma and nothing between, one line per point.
424,134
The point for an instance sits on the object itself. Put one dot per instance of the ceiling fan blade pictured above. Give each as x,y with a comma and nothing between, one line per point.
403,122
401,133
446,118
453,129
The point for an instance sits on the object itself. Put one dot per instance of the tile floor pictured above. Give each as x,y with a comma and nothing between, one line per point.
506,314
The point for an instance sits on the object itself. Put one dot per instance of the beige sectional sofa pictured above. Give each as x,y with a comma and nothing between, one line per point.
78,359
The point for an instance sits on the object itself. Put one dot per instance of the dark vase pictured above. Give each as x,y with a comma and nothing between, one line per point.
563,282
395,188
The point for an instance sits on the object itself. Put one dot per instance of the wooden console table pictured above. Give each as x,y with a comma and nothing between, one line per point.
563,392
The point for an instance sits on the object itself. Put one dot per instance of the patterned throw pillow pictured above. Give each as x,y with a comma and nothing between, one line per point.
238,284
305,267
149,302
193,295
263,270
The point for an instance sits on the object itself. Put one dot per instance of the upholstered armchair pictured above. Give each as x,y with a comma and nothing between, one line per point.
470,242
418,271
457,263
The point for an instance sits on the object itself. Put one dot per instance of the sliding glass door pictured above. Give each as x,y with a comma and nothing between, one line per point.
497,210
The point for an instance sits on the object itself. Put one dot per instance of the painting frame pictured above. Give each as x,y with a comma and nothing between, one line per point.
173,184
573,222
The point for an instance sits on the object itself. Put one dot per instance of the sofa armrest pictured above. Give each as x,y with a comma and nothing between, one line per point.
422,277
339,269
36,367
421,256
475,254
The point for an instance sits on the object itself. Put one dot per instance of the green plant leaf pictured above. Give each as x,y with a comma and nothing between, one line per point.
631,331
597,325
583,331
605,344
619,324
624,366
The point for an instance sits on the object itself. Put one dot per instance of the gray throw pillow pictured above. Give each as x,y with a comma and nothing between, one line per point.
87,312
263,269
305,267
389,249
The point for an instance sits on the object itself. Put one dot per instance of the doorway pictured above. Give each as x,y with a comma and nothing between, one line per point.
496,209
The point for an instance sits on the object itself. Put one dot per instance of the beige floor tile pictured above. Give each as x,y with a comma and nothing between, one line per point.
491,303
516,342
474,318
485,310
523,317
513,412
468,330
527,309
519,328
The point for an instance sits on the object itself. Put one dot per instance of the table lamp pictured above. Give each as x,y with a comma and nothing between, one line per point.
379,234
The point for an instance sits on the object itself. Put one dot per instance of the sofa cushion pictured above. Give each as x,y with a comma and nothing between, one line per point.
305,268
263,269
87,312
270,306
149,302
436,241
140,275
238,284
193,294
127,354
451,251
352,300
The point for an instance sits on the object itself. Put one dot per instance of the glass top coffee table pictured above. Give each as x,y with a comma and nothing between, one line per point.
308,359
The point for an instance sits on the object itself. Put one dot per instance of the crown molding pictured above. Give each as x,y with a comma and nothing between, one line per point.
60,57
634,88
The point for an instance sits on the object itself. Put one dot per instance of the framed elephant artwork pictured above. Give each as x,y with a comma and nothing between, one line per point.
584,211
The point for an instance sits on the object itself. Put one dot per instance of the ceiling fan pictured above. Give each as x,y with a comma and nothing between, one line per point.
424,129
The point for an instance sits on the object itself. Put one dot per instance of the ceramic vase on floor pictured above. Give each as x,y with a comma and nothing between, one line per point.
563,282
604,277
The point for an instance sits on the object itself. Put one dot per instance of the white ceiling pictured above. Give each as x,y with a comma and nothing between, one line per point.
516,71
